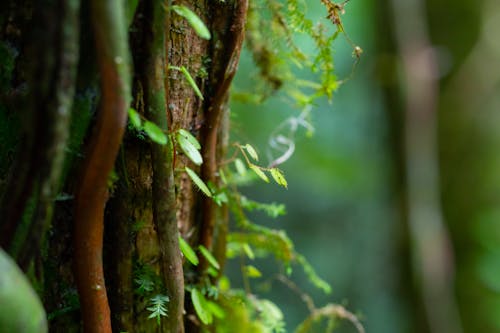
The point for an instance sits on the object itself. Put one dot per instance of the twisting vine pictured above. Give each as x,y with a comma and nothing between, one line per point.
223,76
92,192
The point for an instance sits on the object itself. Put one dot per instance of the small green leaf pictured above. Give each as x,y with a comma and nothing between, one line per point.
155,133
191,82
189,78
194,20
188,136
240,167
189,149
259,172
158,308
197,180
248,251
211,259
188,251
200,306
251,151
278,177
135,118
216,310
252,271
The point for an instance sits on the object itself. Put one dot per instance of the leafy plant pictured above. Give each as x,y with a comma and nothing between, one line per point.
158,307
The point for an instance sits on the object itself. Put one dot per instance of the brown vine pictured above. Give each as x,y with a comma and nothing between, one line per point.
232,38
92,193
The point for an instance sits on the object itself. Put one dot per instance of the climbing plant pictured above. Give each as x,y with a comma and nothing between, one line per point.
126,227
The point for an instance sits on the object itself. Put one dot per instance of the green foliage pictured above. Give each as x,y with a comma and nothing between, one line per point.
149,128
200,183
273,27
189,79
273,209
154,132
248,313
196,23
200,306
22,311
158,307
134,118
189,145
188,251
211,259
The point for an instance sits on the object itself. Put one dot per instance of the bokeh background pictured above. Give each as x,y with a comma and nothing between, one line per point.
395,199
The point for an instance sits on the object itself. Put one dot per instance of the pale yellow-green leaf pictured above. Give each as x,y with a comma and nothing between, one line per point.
189,149
240,167
188,251
188,136
252,152
259,172
197,180
194,20
211,259
278,177
252,272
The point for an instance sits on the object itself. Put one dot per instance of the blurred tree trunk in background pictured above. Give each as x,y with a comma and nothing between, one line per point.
469,146
466,50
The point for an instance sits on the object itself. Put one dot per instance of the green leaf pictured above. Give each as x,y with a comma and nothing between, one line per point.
189,149
216,310
248,251
252,152
191,82
197,180
135,118
278,177
158,308
199,27
240,167
252,272
189,137
200,306
211,259
188,251
154,132
259,172
189,78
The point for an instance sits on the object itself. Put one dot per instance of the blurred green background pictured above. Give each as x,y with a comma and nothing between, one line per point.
348,203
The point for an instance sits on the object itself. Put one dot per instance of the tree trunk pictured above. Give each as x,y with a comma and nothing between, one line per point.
152,199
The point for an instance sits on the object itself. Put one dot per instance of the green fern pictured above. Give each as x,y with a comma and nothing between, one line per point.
158,307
